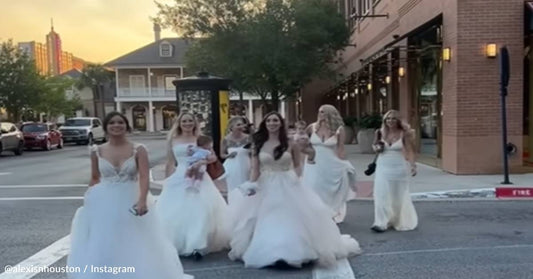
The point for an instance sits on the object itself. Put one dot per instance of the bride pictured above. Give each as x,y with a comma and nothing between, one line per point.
195,221
279,220
332,177
116,226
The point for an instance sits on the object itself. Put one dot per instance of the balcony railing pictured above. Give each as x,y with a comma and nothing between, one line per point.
144,92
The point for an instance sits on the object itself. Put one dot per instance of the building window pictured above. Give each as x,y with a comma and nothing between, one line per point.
168,82
165,49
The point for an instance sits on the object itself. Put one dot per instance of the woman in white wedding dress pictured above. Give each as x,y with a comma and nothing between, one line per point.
332,177
395,164
108,231
278,219
195,221
237,157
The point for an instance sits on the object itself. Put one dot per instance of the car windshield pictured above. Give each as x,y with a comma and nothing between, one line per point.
78,122
34,128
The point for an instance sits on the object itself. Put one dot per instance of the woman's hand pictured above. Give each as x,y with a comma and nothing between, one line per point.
378,148
413,169
141,207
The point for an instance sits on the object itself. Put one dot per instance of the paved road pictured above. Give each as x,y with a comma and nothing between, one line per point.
455,239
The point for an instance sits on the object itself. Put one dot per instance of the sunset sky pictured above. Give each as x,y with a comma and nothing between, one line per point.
94,30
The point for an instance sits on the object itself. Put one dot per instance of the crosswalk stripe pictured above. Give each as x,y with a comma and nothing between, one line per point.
39,198
44,186
43,258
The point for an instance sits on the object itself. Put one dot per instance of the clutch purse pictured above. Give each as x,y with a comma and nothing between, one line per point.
215,169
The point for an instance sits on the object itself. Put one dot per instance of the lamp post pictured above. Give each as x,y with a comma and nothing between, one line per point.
206,97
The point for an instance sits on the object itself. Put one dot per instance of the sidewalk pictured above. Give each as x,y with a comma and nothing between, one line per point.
430,182
433,182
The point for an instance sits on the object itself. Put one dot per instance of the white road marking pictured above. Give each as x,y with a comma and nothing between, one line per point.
43,258
440,193
5,173
441,250
44,186
40,198
342,270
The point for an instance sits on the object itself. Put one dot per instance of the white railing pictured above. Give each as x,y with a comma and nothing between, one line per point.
144,92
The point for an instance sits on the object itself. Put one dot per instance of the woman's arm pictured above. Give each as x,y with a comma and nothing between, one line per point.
254,166
409,149
341,135
171,162
95,173
295,152
144,181
377,144
309,130
223,149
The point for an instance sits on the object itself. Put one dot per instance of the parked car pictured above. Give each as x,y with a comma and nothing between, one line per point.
41,135
83,130
11,138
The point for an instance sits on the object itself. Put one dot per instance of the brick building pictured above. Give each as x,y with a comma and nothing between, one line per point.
429,60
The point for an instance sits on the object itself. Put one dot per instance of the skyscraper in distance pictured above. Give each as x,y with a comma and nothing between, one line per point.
53,44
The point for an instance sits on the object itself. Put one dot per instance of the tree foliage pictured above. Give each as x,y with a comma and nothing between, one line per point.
54,101
20,83
270,48
23,92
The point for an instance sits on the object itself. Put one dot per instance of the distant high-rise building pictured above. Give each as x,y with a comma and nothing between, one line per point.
38,53
53,44
66,62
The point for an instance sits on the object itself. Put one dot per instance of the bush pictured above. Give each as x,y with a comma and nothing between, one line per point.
350,121
372,121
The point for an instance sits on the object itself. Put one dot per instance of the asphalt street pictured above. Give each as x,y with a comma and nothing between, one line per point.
455,239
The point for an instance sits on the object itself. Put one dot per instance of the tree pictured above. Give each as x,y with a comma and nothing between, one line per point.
20,83
272,51
95,76
54,101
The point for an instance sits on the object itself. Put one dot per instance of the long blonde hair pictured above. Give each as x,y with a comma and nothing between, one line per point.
232,121
176,131
332,119
402,125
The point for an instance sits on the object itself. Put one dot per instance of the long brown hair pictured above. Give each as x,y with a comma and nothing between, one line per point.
261,136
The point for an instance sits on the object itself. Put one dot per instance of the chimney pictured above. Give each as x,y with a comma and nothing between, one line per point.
157,32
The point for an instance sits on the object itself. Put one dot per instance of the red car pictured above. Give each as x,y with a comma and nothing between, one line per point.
41,135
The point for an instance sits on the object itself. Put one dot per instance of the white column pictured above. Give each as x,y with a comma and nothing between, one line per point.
150,116
282,109
251,110
149,83
119,107
116,83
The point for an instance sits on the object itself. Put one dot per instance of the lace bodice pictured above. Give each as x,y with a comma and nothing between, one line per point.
268,163
235,144
127,172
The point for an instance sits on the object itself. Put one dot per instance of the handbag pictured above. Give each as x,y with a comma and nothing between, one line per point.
371,168
215,169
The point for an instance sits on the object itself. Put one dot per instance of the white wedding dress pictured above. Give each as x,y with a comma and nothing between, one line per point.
285,221
330,177
237,169
392,201
193,220
105,234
